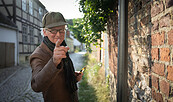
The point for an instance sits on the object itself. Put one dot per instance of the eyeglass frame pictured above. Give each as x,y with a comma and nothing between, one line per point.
59,30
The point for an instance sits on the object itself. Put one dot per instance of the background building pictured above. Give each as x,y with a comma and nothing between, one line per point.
27,16
8,42
69,41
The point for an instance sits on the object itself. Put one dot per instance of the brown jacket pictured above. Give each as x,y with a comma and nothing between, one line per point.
46,77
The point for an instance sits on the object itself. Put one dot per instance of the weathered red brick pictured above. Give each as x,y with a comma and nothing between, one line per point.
154,94
140,14
131,5
155,82
147,8
155,53
164,54
131,12
165,21
170,37
155,26
169,3
132,20
145,2
131,42
157,96
170,73
158,68
138,6
156,9
158,39
141,32
145,20
131,28
164,87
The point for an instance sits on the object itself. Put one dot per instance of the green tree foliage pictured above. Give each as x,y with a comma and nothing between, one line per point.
96,13
76,28
88,29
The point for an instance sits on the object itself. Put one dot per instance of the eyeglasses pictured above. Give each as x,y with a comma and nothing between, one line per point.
54,31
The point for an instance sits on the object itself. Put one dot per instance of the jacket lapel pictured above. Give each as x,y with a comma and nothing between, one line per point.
46,49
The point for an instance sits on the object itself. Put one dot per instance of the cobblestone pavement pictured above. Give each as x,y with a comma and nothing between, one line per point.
15,82
15,85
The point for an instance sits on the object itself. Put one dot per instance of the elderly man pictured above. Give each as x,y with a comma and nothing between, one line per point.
52,69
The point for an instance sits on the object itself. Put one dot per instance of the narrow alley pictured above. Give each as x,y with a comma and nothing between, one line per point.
15,82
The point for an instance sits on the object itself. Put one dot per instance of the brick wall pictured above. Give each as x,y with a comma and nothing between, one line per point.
112,30
139,30
161,50
150,72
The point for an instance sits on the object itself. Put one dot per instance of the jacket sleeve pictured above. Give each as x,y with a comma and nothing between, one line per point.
42,73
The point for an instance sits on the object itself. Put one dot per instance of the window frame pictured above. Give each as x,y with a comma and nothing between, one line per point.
40,13
24,5
24,33
31,32
31,7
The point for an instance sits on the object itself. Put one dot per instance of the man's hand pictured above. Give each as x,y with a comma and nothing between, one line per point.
59,53
78,75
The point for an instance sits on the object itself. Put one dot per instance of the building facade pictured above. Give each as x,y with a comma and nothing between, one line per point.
8,42
27,15
69,41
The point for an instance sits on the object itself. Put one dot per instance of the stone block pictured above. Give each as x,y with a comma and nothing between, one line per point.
156,9
157,96
158,69
170,73
170,37
155,53
164,87
165,54
169,3
155,26
155,81
165,21
158,39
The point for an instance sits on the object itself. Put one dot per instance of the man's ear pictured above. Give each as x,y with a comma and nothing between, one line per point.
44,32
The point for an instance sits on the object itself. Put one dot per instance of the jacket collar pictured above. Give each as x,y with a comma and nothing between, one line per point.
46,49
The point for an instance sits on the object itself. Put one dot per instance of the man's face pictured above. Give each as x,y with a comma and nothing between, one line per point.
55,33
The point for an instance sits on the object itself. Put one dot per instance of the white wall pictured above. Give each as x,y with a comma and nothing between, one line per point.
10,36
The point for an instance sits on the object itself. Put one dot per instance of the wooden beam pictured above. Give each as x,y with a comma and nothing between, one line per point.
14,11
9,15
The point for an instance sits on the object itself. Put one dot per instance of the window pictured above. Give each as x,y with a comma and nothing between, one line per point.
40,13
30,7
24,33
24,5
31,32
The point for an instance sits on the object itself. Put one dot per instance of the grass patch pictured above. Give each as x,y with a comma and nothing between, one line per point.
93,87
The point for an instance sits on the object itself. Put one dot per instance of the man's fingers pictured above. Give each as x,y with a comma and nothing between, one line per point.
57,43
60,56
60,53
62,48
